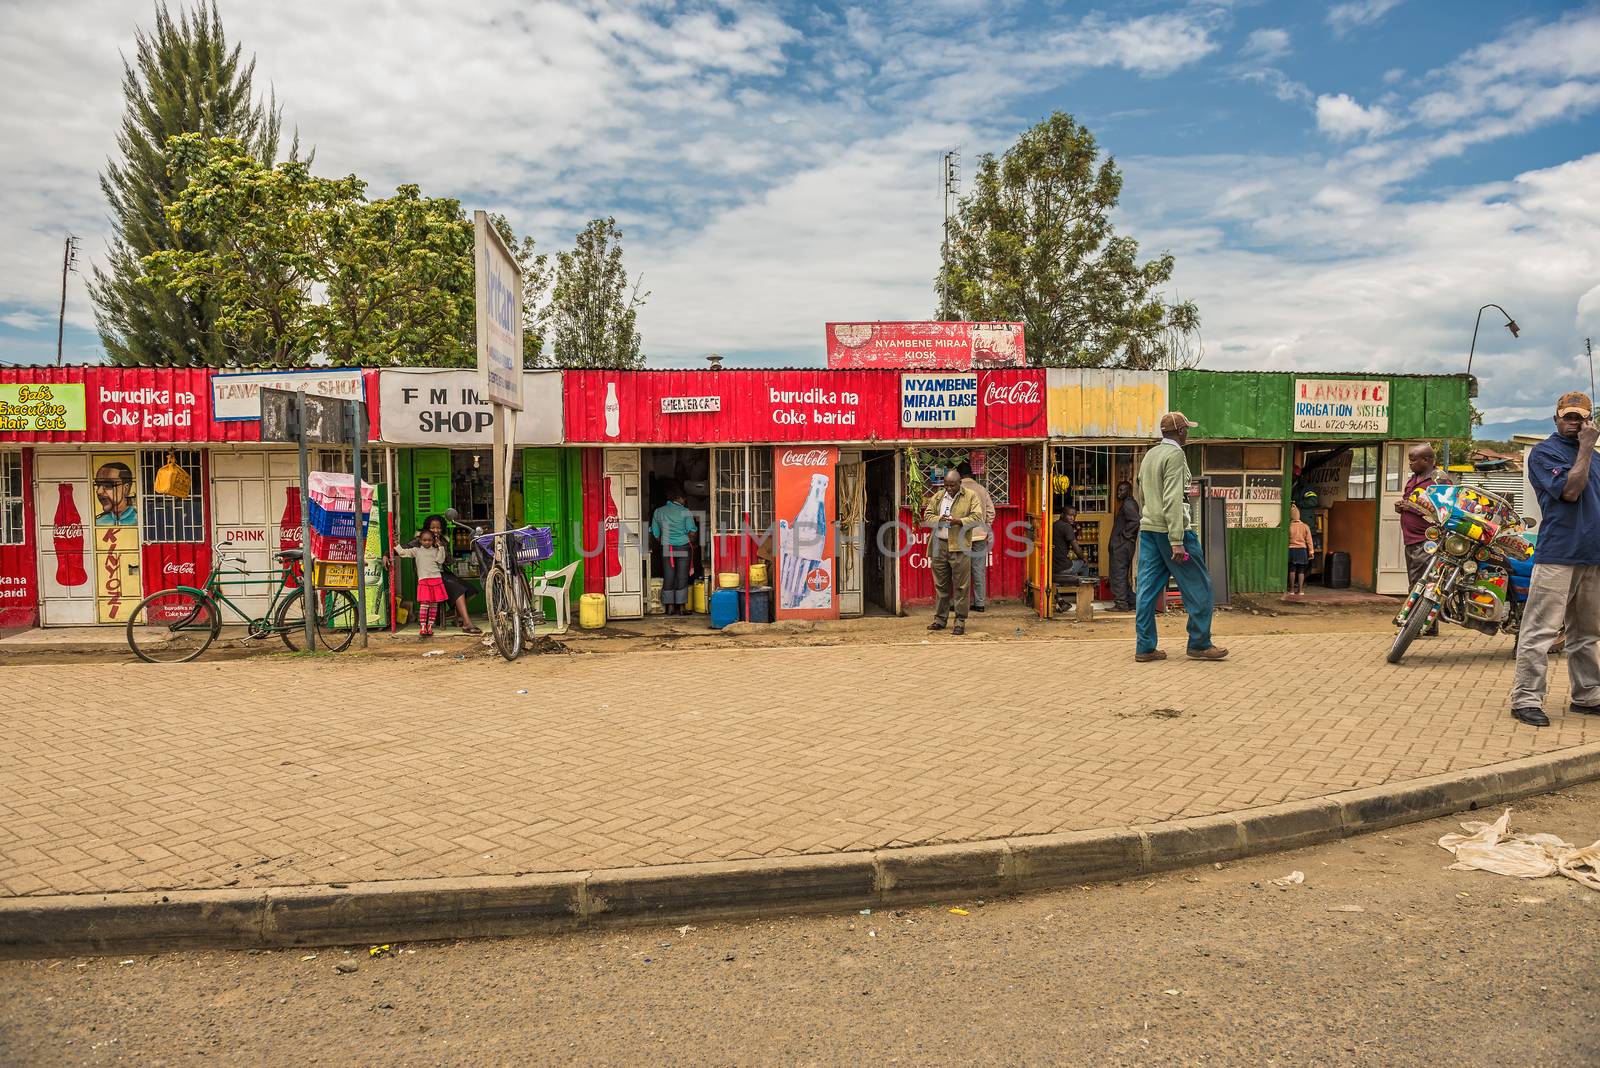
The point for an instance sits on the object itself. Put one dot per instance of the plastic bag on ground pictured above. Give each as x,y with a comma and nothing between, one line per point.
1491,847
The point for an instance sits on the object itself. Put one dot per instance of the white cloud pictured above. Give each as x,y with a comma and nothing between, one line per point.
1343,18
24,320
1267,44
1342,118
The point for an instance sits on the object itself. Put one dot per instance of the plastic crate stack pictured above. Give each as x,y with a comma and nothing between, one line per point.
336,529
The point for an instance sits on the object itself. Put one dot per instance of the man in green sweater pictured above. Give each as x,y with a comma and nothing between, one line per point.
1169,546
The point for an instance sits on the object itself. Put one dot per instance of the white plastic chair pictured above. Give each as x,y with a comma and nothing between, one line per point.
556,585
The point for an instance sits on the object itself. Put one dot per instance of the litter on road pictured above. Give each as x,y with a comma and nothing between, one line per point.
1294,878
1491,847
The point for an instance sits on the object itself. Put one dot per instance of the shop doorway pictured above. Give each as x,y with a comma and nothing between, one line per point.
882,542
665,472
1336,489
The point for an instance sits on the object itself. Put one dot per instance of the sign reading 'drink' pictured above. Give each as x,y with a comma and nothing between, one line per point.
683,405
938,400
1340,406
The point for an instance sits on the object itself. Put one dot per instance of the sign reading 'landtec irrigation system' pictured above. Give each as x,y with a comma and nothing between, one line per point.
1340,406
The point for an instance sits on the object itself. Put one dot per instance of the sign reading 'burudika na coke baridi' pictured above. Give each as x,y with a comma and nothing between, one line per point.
739,406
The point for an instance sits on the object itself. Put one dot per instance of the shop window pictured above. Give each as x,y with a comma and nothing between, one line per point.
743,487
1092,474
337,462
172,519
1250,479
1394,468
1363,481
991,467
12,531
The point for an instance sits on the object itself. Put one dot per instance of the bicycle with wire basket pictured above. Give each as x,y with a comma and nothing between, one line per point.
178,624
505,557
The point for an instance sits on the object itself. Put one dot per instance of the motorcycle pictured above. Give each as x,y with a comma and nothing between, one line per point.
1481,568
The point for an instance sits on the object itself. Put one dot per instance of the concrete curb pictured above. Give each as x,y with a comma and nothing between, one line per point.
422,909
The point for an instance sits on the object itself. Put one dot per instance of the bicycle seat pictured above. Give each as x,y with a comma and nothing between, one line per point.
289,554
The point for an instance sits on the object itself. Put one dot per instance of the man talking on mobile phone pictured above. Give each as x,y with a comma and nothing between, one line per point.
1169,547
1566,566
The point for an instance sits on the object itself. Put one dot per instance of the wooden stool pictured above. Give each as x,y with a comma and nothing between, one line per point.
1084,608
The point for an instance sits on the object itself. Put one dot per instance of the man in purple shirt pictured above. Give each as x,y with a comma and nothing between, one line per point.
1414,520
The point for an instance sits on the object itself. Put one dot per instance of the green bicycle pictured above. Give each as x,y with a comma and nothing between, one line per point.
178,624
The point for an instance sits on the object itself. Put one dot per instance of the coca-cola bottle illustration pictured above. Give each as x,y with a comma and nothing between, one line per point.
289,532
68,535
612,530
805,542
613,411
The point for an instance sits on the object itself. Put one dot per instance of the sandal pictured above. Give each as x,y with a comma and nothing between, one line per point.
472,629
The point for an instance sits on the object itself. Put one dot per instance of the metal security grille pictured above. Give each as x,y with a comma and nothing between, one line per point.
11,528
168,519
743,489
337,462
996,477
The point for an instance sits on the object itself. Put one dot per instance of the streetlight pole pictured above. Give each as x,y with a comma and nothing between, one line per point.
1516,331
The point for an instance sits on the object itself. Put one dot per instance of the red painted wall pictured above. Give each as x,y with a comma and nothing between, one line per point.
1007,573
19,572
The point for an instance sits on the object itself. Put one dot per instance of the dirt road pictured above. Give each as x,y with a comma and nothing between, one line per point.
1383,957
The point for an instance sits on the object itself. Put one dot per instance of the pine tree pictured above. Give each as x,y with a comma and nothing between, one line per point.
183,79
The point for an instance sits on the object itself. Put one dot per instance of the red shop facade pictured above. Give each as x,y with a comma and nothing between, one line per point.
746,447
83,534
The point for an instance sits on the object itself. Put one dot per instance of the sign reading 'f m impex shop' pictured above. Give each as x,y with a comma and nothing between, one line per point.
1340,406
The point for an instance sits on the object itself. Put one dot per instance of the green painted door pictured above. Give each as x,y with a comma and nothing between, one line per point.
550,486
430,489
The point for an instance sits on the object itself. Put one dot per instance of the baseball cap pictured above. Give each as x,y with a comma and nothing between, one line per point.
1569,402
1176,421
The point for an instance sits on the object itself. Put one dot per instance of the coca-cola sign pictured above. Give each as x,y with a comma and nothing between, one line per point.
1021,391
1014,405
804,458
178,570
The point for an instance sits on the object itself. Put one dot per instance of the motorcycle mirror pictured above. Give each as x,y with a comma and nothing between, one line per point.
1529,522
451,514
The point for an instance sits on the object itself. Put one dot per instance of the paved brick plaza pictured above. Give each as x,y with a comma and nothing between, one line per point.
124,776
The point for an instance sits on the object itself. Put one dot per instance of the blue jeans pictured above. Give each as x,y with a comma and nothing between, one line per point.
1194,582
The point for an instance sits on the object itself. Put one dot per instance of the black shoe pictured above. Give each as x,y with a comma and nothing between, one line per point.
959,628
977,608
1122,608
937,624
1533,717
1586,710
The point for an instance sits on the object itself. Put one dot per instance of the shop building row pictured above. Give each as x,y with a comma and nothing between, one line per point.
83,534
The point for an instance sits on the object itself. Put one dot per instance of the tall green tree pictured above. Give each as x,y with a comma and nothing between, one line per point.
1033,243
592,317
183,78
301,266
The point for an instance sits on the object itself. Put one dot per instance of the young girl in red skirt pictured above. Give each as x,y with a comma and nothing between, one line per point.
429,556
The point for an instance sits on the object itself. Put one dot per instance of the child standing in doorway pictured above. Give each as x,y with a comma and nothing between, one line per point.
430,557
1300,549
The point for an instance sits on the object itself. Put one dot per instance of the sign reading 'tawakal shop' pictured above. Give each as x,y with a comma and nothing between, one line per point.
42,407
1340,406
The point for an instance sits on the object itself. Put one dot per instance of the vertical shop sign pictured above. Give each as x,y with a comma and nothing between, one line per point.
806,503
116,536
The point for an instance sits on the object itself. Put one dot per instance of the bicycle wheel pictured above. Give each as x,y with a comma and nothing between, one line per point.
505,617
171,626
333,624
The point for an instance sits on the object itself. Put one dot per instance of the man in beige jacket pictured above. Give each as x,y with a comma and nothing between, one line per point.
982,538
951,514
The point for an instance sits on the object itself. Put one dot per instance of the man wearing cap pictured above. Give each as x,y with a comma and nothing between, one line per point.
1169,546
1566,566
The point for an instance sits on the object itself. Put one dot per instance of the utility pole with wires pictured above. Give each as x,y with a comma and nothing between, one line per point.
69,260
1588,346
950,186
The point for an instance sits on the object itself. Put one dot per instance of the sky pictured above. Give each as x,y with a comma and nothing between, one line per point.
1342,184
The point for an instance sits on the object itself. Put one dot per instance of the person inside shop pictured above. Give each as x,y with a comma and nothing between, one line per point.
1124,540
1415,518
429,555
952,514
674,528
455,590
1300,550
982,538
1065,561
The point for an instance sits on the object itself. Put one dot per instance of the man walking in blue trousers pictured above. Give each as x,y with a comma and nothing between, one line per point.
1169,546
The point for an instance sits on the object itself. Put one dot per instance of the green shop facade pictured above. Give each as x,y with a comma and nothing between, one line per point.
440,432
1332,445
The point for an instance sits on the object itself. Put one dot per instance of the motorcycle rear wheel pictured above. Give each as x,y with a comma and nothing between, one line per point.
1417,620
